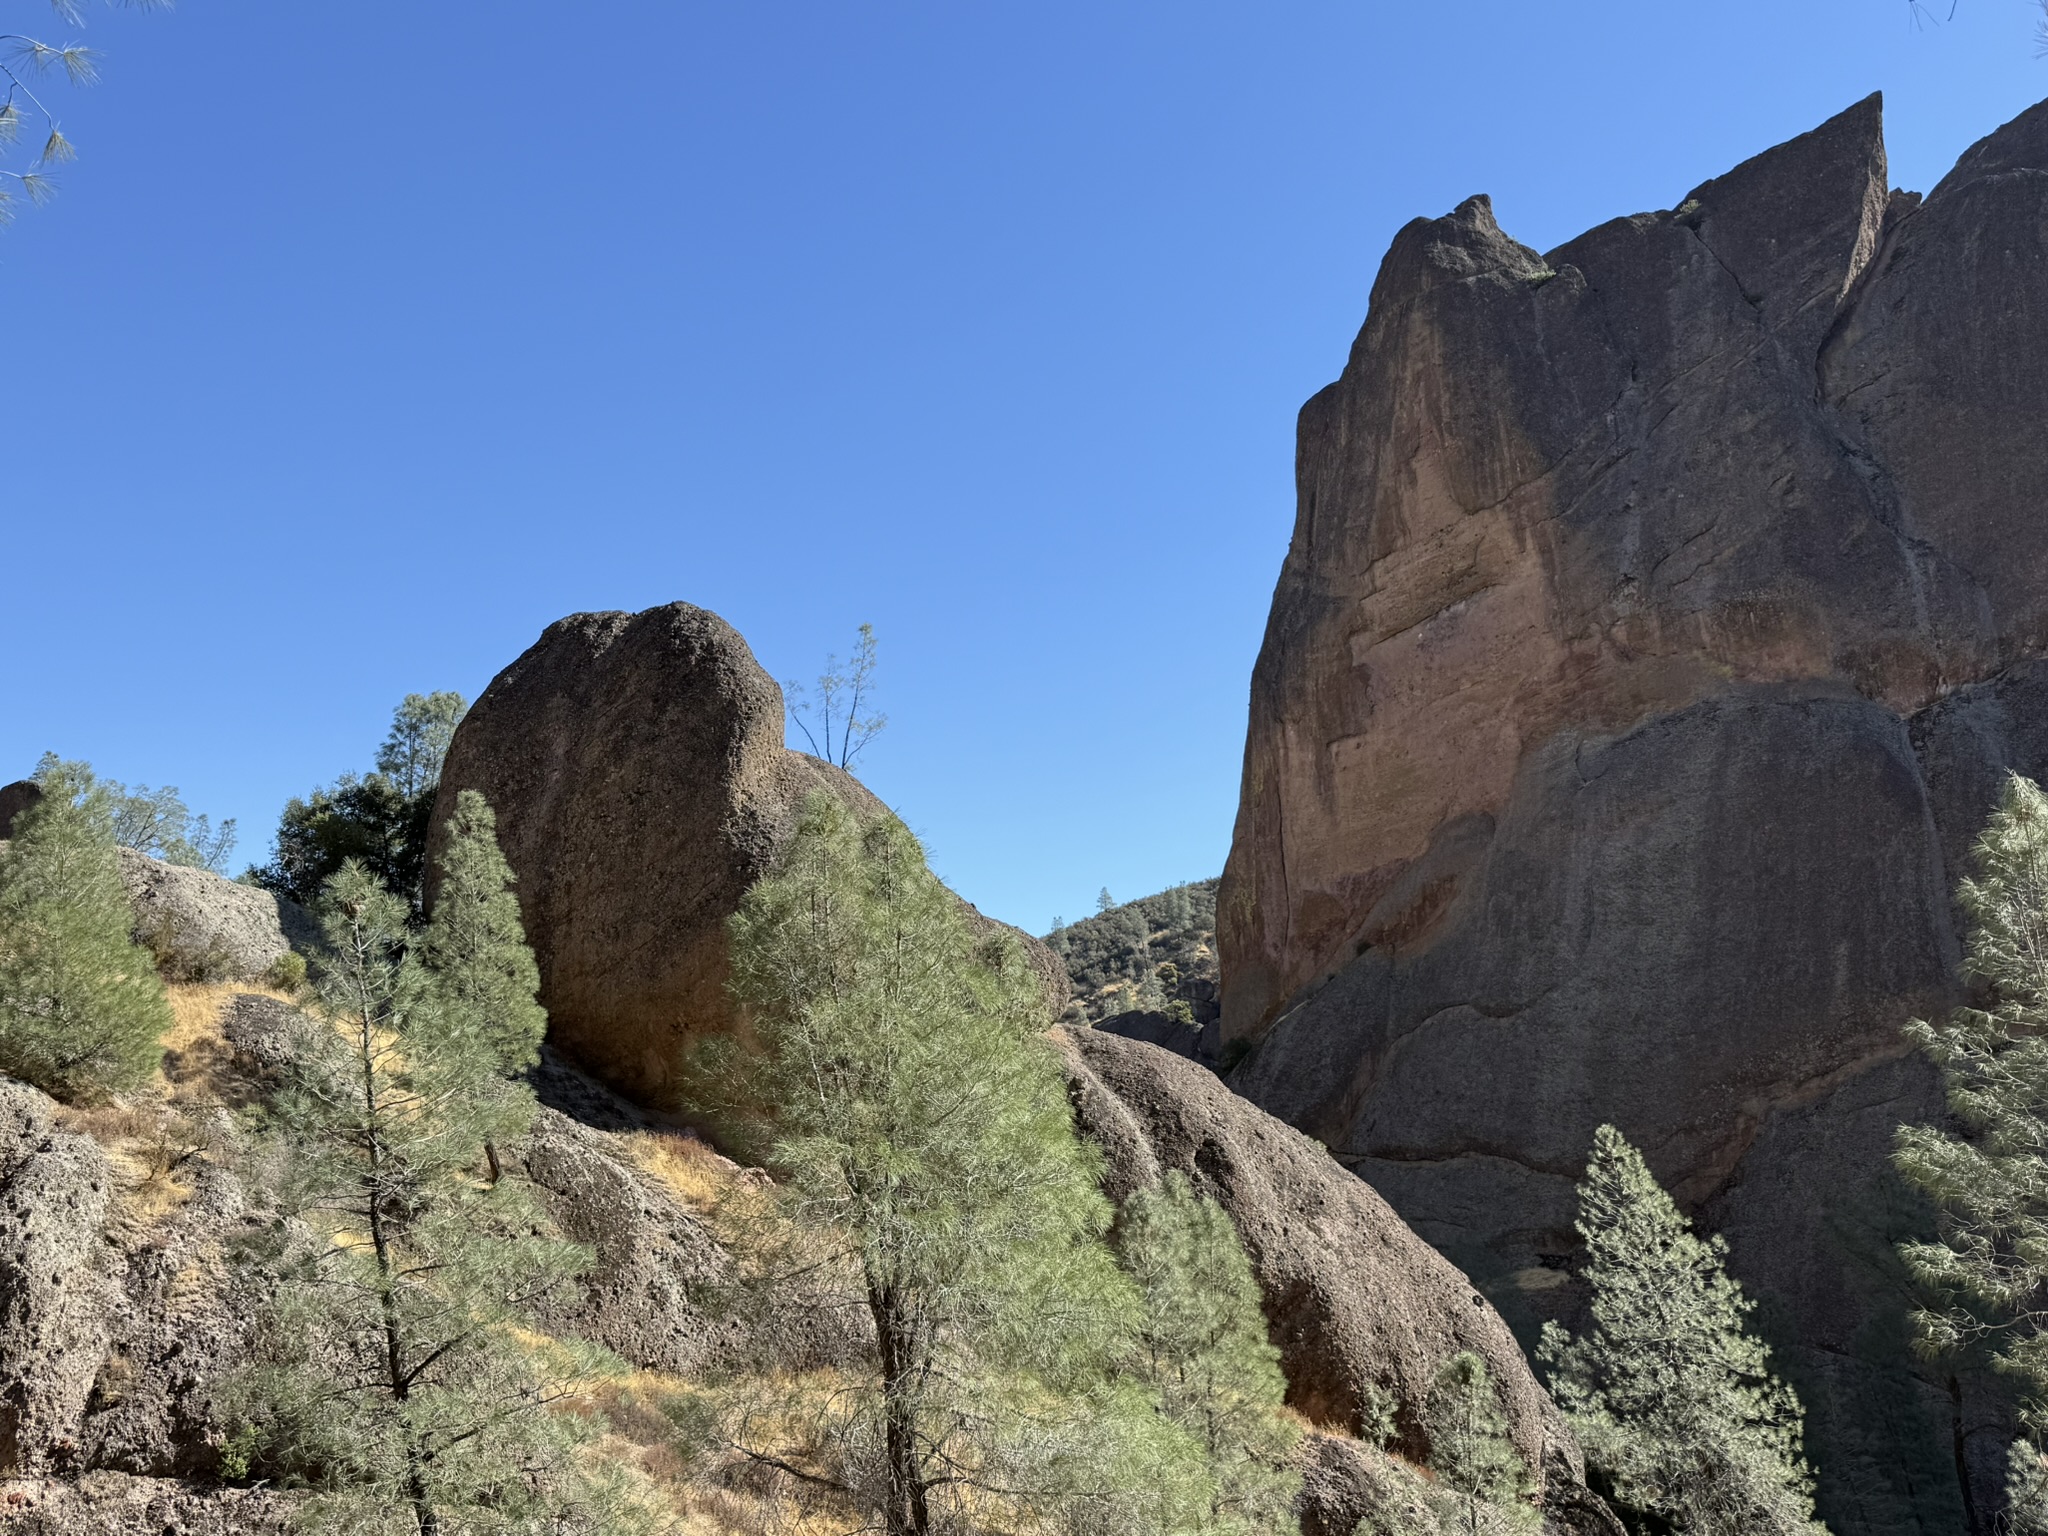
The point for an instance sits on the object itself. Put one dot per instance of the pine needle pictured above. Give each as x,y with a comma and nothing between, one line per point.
57,149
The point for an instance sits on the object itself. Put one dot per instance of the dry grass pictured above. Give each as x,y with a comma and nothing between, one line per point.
688,1166
152,1136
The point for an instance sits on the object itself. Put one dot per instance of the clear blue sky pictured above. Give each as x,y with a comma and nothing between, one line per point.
366,339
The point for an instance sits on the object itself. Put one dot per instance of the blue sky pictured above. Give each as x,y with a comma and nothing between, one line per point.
365,340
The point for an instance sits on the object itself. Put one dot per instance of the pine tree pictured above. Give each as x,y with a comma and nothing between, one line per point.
1202,1345
82,1010
422,730
398,1384
920,1122
474,951
1672,1397
1986,1275
1482,1483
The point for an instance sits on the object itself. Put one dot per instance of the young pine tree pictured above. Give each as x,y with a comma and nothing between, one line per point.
398,1384
920,1123
82,1010
1671,1396
1986,1276
1202,1346
1482,1484
474,951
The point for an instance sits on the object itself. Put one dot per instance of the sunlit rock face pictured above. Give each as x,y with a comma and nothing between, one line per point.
1660,614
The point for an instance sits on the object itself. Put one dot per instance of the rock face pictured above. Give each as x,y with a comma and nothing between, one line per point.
199,925
636,765
14,799
1358,1304
205,928
1660,614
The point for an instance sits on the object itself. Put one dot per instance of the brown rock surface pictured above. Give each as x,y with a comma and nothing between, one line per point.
637,768
1659,615
1357,1303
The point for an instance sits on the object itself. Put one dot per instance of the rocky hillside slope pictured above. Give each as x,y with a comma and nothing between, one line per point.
1113,958
127,1295
1660,613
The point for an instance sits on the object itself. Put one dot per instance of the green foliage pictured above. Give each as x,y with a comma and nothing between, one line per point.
921,1126
1986,1276
287,972
1202,1346
422,730
1120,958
158,822
474,950
29,59
396,1382
2026,1491
381,820
1671,1396
82,1010
359,819
1482,1483
838,720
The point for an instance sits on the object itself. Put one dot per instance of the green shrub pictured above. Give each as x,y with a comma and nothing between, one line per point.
287,972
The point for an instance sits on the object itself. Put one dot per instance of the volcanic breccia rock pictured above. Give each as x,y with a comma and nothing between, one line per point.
1660,615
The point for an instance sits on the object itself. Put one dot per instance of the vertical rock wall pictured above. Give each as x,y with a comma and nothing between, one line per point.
1660,614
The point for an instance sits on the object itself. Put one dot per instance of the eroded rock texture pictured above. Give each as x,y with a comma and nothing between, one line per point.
1357,1304
1660,614
637,768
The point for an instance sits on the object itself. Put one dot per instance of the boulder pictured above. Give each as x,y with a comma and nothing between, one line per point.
637,768
56,1297
1357,1304
14,799
1660,613
204,927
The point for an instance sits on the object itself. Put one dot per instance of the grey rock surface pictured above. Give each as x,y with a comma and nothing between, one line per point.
637,767
1661,613
114,1504
1355,1301
203,927
56,1298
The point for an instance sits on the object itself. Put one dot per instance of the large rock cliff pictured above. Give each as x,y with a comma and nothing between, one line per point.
1660,613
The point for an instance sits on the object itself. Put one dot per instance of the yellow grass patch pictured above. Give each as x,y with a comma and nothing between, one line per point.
698,1175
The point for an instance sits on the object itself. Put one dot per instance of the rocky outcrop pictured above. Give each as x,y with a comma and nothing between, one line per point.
14,799
114,1504
637,768
202,927
1660,613
56,1301
1359,1307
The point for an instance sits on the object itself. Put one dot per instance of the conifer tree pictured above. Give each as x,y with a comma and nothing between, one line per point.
920,1122
1482,1483
1986,1274
397,1383
474,951
82,1010
1202,1345
1671,1396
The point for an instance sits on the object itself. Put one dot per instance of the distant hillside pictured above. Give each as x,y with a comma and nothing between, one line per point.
1115,956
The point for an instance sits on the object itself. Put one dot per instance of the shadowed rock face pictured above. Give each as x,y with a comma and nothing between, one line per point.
1659,616
636,765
